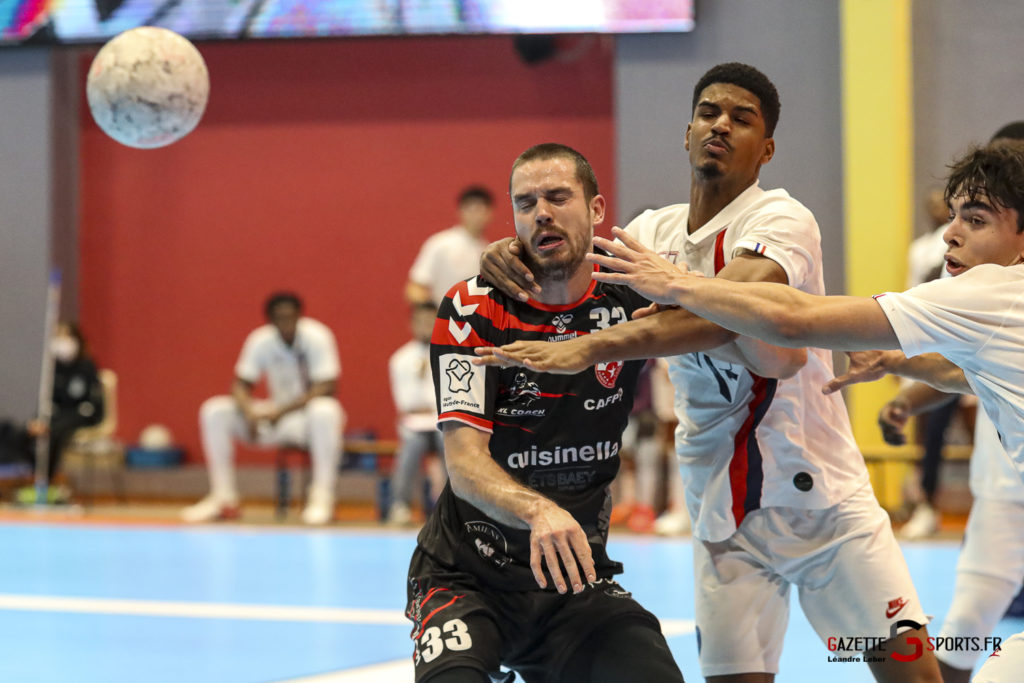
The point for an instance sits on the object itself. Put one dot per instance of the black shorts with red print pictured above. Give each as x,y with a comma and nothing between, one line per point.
459,622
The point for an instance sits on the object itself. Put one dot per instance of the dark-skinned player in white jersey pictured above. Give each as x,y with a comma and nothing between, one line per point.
776,487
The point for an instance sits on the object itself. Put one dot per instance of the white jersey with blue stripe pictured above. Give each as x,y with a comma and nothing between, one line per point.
743,441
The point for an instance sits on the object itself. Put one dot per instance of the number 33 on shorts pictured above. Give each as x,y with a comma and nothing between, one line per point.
453,634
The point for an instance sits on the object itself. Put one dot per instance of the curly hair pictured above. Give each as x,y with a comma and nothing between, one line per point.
995,171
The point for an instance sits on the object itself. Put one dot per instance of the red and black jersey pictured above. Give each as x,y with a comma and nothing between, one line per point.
557,434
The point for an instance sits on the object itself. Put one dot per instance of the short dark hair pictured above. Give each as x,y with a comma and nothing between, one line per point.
1011,131
995,171
748,78
555,150
278,298
476,193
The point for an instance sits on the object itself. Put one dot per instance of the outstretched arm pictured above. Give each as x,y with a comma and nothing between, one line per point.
773,312
554,533
929,368
666,333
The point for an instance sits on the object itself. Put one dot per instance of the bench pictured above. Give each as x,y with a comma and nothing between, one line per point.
888,466
375,454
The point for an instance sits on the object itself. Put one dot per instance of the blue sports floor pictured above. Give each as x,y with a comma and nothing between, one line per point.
243,604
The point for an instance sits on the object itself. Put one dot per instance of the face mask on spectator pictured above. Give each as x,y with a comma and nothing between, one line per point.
64,349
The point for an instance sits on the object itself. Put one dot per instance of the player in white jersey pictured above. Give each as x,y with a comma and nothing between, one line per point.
451,255
412,389
298,358
776,488
962,334
991,565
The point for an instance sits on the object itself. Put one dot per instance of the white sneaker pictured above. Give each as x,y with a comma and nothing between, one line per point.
211,508
922,524
672,523
320,507
399,515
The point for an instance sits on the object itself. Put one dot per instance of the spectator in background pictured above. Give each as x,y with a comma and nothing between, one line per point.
926,260
453,254
641,456
77,402
675,519
413,391
926,256
298,358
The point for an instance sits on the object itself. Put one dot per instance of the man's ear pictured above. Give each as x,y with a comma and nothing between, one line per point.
686,138
769,150
597,208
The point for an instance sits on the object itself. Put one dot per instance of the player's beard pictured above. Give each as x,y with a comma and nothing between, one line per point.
709,170
556,268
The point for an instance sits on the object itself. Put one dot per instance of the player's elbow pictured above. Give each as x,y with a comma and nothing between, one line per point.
791,363
788,327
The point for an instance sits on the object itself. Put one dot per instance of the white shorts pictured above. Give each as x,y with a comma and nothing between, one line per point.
993,544
1005,665
988,576
849,572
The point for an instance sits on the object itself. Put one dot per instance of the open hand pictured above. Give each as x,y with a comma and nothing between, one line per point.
865,366
638,267
560,358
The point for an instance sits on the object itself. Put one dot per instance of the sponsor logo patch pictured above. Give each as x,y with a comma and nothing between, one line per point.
599,403
608,373
489,542
462,384
561,321
523,390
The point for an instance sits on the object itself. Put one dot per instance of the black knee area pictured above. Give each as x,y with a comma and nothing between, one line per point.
460,674
628,650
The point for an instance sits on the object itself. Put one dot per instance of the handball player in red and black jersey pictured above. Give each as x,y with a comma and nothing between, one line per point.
511,568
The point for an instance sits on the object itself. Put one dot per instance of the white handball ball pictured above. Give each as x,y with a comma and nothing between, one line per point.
148,87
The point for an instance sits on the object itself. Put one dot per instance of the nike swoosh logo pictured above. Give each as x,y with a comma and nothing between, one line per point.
890,613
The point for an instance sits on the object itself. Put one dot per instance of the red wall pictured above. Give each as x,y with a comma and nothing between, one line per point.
319,167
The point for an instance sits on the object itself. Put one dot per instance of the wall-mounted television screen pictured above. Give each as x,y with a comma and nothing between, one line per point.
94,21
